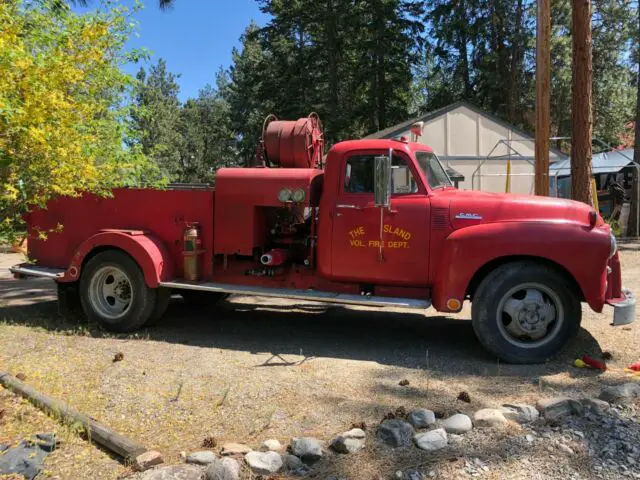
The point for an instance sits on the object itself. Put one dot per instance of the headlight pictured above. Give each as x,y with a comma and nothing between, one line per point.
299,195
284,195
614,246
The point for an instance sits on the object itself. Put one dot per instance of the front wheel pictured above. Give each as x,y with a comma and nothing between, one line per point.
113,292
525,312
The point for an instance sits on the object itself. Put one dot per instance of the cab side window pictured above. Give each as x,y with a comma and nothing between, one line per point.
359,175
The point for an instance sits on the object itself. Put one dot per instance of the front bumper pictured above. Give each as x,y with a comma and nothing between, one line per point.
624,308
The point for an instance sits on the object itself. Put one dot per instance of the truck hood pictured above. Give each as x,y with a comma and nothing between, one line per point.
472,207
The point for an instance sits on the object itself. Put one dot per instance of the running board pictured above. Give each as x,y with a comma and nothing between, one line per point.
310,295
28,270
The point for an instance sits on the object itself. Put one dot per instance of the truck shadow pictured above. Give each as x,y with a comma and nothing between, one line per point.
293,333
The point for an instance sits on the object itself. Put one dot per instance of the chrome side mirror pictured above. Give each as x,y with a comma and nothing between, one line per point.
382,180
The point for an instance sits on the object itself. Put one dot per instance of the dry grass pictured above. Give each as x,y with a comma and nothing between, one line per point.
249,371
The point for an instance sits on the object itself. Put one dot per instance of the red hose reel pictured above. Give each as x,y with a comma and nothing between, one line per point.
291,144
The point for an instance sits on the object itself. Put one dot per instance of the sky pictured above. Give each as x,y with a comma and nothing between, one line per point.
195,37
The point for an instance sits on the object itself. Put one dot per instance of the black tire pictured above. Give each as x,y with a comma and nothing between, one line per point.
202,299
163,297
95,302
492,321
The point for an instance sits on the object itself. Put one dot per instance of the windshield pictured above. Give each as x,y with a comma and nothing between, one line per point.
433,170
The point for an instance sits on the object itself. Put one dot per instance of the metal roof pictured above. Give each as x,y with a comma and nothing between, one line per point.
605,162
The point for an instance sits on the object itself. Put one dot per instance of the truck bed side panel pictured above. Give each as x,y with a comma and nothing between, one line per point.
164,213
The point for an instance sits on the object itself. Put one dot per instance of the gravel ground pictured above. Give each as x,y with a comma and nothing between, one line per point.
254,368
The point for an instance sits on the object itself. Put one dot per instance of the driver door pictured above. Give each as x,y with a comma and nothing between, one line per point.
374,245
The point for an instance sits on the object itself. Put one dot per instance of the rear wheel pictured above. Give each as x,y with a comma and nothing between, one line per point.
113,292
525,312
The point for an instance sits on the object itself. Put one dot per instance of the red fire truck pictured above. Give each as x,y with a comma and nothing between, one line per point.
374,223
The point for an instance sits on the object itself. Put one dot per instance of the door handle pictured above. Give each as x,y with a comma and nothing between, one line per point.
353,207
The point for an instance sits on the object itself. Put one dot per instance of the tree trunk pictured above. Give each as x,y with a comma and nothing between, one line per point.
543,95
581,102
634,211
514,67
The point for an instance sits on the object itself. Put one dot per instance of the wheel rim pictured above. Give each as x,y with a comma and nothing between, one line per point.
110,292
530,315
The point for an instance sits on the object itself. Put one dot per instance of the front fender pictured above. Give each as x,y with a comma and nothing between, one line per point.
147,251
581,251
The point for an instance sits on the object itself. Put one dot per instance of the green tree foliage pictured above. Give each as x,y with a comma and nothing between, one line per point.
187,141
484,52
61,114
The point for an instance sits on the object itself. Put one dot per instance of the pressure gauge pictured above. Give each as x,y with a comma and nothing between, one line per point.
299,195
285,195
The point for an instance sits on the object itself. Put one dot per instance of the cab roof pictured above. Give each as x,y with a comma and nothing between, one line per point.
382,143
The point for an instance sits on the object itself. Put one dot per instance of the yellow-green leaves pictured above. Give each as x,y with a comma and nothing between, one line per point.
62,97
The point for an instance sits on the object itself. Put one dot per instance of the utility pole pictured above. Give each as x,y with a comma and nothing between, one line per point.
543,87
581,116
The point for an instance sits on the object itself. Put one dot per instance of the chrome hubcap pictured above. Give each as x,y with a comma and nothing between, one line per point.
530,315
110,292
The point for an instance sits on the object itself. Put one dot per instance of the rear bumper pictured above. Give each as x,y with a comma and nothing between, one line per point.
27,270
624,308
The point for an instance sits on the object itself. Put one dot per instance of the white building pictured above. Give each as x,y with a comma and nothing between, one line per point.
478,146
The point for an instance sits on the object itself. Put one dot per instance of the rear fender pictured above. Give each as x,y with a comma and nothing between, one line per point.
581,252
147,251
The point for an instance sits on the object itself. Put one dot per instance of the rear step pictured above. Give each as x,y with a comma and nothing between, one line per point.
28,270
310,295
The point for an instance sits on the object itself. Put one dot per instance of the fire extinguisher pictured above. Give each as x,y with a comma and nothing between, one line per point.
191,249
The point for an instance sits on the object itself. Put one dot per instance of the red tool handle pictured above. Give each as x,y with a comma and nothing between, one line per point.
593,363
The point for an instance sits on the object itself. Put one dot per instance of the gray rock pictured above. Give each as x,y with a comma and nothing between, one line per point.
306,448
175,472
291,462
204,457
271,445
555,409
620,393
263,463
489,417
563,448
349,442
395,433
233,448
413,475
529,438
458,423
520,412
223,469
431,440
421,418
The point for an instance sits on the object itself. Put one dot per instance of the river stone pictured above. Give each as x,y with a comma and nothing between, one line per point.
175,472
489,417
520,412
458,423
395,433
291,462
554,409
263,463
620,393
595,405
204,457
234,449
431,440
271,445
223,469
306,448
421,418
349,442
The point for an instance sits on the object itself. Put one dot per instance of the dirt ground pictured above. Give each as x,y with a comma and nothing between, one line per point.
256,368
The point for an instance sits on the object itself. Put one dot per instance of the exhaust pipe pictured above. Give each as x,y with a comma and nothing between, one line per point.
275,257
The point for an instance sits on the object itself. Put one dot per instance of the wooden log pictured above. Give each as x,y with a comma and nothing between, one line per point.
95,431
